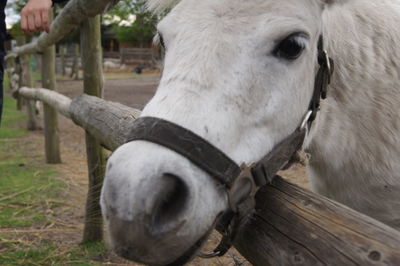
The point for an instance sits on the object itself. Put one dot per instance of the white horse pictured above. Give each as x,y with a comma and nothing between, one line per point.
241,75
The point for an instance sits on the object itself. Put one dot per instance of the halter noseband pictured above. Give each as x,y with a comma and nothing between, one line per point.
241,182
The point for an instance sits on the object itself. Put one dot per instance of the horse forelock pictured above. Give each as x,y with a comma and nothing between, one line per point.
158,6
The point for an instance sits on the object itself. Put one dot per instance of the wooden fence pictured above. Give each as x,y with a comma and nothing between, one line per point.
291,226
83,13
137,56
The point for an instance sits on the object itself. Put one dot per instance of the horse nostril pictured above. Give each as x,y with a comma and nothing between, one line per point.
169,204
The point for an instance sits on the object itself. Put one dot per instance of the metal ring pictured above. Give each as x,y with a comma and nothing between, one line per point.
209,255
328,61
305,119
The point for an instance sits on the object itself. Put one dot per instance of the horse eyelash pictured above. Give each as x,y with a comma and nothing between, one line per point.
159,40
162,41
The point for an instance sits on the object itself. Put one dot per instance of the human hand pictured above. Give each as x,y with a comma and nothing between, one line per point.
35,16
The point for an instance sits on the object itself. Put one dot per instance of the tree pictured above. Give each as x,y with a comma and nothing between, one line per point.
132,22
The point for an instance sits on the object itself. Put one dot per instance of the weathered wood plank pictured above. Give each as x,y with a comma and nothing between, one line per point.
52,138
62,49
293,226
55,100
75,63
109,122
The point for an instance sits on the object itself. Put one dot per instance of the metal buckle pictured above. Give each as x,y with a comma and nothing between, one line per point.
242,188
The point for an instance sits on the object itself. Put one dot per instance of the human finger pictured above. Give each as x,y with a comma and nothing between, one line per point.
45,21
38,19
24,22
31,23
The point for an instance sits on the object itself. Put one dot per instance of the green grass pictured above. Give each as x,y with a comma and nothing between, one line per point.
47,253
27,186
11,118
23,254
87,254
27,190
30,197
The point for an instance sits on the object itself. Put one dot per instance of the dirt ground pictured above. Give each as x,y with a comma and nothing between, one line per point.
134,93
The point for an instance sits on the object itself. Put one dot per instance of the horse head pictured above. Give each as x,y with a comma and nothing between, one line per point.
239,74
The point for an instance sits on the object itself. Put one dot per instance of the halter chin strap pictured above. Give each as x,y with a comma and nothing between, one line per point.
242,182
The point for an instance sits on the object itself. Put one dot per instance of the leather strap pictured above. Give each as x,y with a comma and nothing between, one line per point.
265,170
183,141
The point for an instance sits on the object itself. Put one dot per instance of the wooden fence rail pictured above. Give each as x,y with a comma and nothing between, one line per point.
291,226
136,56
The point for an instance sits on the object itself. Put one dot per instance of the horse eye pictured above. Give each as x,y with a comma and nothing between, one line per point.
158,49
162,43
290,48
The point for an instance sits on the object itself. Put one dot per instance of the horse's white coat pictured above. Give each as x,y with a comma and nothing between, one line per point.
355,145
221,81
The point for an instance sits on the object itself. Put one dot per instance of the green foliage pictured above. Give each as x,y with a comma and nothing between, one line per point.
16,30
137,35
141,31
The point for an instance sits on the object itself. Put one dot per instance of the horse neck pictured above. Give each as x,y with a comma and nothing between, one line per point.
363,38
359,117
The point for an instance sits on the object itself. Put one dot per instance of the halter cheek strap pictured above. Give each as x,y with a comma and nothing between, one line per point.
241,182
322,79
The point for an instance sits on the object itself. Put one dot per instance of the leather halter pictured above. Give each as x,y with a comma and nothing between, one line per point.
241,182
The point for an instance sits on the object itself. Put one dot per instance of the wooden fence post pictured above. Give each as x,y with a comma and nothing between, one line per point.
38,60
62,58
11,65
75,64
27,81
19,70
93,85
52,139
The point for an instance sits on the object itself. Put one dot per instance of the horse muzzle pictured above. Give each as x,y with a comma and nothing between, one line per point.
153,212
